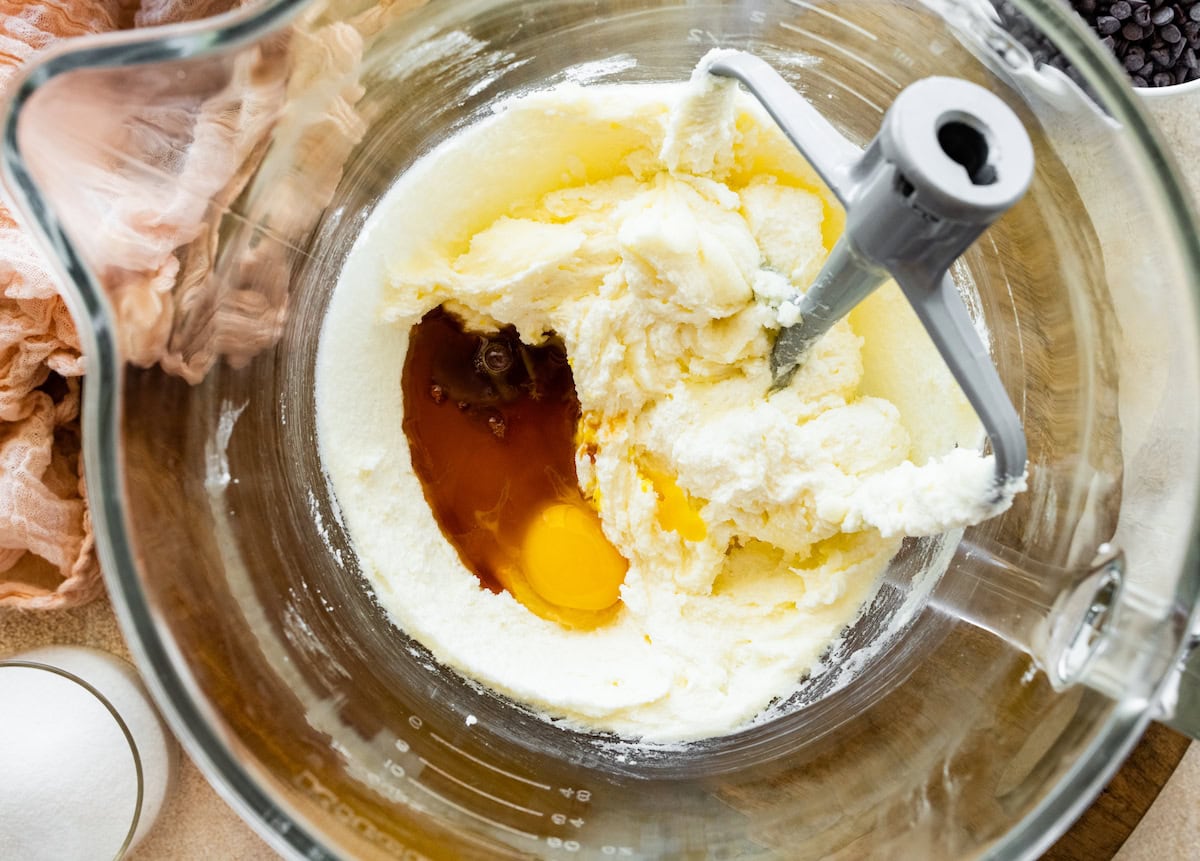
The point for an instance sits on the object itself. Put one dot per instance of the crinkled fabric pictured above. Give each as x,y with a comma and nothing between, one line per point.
148,223
44,520
155,13
47,558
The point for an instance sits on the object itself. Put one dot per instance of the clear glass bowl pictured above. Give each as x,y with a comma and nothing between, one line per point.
199,187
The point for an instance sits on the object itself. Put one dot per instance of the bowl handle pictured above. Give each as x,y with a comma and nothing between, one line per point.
1180,702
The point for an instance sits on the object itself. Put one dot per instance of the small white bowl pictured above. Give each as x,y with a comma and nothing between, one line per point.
1175,90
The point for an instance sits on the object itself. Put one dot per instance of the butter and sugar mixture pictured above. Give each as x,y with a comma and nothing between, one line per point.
668,548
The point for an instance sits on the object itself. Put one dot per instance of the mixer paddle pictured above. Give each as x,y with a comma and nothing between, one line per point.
949,159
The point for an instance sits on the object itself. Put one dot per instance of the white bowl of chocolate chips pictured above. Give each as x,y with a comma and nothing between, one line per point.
1156,41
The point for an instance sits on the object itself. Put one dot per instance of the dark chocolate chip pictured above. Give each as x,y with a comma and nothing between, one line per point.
1139,81
1141,16
1194,13
1106,24
1163,16
1170,33
1162,79
1132,32
1121,10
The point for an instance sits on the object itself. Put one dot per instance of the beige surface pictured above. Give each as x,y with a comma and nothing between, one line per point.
196,824
1178,117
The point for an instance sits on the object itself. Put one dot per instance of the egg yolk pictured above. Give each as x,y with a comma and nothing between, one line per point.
568,561
675,511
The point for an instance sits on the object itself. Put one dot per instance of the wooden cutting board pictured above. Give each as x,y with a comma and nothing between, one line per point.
1105,826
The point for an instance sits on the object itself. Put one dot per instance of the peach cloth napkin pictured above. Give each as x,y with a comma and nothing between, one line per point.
153,242
47,558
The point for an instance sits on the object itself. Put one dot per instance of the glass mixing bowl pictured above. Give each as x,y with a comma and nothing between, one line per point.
199,187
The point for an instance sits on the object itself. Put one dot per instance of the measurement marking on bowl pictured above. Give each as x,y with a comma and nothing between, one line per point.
834,17
308,783
833,46
562,819
494,768
835,83
469,812
476,789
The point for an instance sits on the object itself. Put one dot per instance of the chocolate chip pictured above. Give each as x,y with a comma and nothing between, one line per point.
1139,81
1170,33
1194,13
1163,16
1141,16
1120,10
1162,79
1135,60
1132,32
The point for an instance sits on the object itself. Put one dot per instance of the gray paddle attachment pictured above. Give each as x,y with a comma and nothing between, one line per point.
949,159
